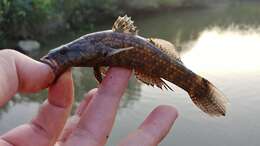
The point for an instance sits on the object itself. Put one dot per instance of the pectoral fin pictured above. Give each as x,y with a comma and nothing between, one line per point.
118,51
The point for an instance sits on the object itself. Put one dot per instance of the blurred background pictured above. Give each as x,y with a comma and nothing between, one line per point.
218,39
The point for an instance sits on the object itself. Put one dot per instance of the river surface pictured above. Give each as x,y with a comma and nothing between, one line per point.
221,43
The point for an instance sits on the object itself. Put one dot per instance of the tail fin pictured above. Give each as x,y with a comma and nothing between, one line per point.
208,98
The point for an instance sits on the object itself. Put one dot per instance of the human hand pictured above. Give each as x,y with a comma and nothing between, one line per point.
19,73
94,117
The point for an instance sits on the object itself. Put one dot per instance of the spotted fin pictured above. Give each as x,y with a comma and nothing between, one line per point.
125,25
208,98
152,81
99,72
166,47
103,70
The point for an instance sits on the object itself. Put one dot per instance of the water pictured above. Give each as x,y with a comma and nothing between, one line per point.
221,44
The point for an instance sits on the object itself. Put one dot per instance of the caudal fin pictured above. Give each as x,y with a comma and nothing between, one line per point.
208,98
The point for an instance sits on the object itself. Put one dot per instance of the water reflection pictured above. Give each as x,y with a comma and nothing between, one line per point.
84,81
132,94
225,51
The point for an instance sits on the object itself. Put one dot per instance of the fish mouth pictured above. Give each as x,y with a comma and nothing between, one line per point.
52,63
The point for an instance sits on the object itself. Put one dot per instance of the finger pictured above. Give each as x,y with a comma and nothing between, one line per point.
25,66
4,143
73,121
87,98
21,73
47,125
97,119
153,129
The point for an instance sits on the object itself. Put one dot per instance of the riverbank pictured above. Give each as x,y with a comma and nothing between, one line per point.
39,19
42,20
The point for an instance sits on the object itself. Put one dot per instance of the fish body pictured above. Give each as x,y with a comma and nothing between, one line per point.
152,60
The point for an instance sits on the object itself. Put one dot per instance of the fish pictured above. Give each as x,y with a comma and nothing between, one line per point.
153,60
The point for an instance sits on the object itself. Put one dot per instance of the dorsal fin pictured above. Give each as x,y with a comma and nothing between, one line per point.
125,25
166,47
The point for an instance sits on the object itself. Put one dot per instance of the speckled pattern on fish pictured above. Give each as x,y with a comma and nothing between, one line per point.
153,60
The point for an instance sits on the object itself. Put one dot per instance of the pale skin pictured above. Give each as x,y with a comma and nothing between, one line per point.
94,117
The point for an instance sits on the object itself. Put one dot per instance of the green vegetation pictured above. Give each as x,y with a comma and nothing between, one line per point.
22,19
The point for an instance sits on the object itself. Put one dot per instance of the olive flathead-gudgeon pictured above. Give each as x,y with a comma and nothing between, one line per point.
153,61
